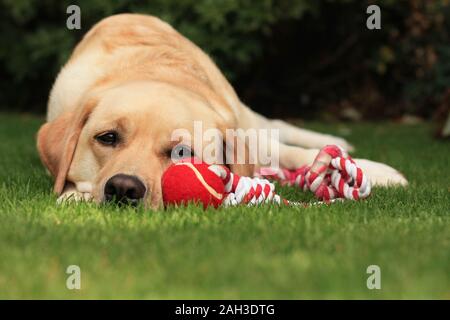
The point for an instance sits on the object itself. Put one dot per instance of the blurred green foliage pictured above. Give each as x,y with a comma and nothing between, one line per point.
285,57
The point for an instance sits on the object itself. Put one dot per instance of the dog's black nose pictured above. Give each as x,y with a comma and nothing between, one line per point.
123,188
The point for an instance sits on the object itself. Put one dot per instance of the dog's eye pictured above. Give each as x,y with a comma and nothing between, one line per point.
108,138
181,151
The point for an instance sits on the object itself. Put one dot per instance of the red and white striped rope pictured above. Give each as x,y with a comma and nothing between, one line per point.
251,191
332,175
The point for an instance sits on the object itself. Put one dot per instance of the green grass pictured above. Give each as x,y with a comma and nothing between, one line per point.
264,252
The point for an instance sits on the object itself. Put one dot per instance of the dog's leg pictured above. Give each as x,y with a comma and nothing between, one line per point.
306,138
293,135
380,174
291,155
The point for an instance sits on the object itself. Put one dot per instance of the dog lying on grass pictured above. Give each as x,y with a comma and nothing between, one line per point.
128,86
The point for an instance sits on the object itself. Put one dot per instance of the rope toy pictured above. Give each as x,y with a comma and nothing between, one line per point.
332,175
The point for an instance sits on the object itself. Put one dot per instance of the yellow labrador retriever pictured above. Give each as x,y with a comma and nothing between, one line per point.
129,84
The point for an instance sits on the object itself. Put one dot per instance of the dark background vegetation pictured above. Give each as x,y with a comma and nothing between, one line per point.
286,58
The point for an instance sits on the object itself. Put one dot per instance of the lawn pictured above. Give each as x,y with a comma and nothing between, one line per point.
260,252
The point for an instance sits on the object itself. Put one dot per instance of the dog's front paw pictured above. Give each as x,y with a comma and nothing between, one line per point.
72,194
344,144
381,174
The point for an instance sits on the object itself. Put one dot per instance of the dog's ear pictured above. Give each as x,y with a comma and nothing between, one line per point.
57,141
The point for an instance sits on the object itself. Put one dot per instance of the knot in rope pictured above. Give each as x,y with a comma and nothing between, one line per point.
332,175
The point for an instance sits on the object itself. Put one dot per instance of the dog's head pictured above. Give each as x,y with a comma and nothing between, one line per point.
118,143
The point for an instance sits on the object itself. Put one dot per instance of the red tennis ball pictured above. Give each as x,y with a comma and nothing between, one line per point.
185,182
